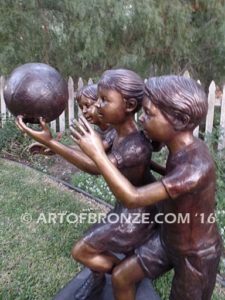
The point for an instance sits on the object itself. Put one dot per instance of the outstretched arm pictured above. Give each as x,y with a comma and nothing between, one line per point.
124,191
76,157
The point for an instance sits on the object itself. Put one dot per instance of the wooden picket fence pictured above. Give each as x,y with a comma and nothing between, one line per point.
216,104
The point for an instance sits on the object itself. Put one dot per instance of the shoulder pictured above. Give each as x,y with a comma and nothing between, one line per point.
109,136
133,150
189,170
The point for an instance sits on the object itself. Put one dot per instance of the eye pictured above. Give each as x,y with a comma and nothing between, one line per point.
146,111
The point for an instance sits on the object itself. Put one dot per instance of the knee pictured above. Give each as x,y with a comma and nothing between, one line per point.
118,279
78,251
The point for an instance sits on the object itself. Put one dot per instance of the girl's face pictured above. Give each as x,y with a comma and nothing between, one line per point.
154,124
89,110
111,107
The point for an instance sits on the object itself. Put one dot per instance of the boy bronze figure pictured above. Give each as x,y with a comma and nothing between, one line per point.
173,107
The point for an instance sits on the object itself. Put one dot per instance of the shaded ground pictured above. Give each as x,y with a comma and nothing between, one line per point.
61,169
54,165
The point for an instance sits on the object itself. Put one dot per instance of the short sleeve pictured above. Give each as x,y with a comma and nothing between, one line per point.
134,152
109,137
183,179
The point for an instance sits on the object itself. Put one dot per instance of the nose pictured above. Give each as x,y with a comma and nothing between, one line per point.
84,109
93,110
141,118
98,103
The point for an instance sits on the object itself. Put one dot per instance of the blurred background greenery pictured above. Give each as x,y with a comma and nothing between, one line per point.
83,38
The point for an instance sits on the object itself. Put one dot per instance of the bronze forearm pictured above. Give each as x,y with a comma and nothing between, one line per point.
76,157
124,191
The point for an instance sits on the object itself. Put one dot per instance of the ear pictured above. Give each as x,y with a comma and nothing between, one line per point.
181,121
131,104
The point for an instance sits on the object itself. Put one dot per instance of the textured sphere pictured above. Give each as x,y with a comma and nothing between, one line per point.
36,90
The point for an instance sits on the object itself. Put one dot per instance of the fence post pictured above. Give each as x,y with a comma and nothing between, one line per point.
3,106
90,81
211,104
80,85
196,131
71,100
186,74
221,143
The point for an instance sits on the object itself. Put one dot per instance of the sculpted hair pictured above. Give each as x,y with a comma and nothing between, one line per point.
126,82
89,91
181,100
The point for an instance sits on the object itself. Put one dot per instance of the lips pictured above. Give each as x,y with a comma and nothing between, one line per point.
88,118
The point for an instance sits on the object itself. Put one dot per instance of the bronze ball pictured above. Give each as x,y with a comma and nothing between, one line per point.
36,90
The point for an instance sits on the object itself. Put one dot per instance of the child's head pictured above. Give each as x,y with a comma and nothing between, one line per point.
181,100
86,98
89,91
126,82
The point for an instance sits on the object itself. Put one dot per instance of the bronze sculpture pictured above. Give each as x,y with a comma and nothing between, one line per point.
36,90
121,93
86,98
173,107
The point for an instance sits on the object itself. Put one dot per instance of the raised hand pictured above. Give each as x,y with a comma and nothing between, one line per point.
85,136
44,136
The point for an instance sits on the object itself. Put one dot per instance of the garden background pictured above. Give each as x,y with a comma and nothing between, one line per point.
82,39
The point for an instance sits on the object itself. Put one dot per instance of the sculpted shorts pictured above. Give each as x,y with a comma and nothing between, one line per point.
195,272
121,237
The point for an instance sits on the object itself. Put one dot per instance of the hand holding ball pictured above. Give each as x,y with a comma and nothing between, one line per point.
36,90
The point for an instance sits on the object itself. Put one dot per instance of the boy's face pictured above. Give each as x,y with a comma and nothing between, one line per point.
154,124
111,106
88,109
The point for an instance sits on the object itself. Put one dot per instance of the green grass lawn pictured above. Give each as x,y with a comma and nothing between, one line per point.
35,260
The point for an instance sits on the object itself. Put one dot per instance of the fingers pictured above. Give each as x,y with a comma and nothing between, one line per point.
85,123
80,127
20,124
43,123
74,139
73,130
75,133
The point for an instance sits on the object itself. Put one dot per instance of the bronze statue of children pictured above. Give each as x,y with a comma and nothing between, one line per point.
86,98
121,93
190,243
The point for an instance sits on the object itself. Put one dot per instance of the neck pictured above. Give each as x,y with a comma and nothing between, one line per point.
179,141
127,127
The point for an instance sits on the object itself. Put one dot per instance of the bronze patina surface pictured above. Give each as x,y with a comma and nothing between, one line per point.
36,90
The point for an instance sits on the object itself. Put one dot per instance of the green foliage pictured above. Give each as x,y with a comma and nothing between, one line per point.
95,185
163,284
219,159
11,139
83,38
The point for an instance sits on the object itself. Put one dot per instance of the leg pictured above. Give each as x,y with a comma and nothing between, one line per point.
150,260
98,262
93,258
124,278
194,277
